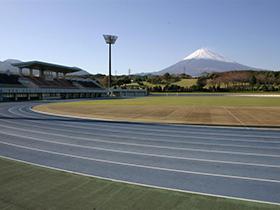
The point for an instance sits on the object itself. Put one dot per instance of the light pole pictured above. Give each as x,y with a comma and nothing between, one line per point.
110,39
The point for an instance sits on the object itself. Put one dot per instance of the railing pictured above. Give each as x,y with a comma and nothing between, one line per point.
129,92
51,90
17,92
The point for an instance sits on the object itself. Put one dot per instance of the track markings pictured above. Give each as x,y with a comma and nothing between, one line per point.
72,140
140,184
141,153
186,141
175,132
144,145
208,138
143,166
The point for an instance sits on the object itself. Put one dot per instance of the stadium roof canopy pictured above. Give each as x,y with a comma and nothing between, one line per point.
46,66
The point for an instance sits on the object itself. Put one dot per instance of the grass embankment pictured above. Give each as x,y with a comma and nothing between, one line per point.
182,83
216,110
235,93
186,82
24,186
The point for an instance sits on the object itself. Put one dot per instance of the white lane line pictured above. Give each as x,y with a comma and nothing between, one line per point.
122,131
186,142
175,126
205,134
129,128
184,132
156,140
143,166
139,153
137,183
141,145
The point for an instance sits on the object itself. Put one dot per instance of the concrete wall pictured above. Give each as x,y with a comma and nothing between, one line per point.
129,92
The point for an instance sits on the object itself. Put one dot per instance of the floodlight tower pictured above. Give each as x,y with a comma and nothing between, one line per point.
110,39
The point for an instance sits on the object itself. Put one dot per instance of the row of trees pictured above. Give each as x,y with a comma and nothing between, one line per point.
243,81
225,81
123,80
166,78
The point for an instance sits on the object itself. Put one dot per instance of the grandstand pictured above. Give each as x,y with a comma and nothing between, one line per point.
9,81
50,81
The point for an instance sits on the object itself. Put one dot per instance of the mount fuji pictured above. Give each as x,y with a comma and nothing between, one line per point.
201,61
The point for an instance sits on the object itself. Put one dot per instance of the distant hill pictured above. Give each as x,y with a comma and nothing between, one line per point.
202,61
7,67
79,73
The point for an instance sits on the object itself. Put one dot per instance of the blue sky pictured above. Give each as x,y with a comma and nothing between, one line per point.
152,34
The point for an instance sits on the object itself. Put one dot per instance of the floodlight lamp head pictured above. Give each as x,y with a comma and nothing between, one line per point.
110,39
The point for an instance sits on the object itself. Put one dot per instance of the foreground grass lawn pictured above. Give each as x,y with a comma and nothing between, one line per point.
23,186
216,110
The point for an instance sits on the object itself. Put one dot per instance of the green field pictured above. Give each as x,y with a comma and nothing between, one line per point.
24,186
214,110
188,101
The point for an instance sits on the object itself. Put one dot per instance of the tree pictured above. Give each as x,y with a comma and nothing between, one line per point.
201,82
166,76
253,80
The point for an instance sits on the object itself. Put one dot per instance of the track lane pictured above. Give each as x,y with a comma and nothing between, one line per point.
174,180
174,152
183,140
250,172
234,154
176,129
265,151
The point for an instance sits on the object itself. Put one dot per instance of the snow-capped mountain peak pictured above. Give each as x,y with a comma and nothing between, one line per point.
204,53
201,61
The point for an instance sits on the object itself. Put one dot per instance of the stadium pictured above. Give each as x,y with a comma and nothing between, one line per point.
192,160
165,105
199,163
38,80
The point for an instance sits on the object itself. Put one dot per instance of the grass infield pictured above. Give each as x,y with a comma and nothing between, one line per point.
25,186
215,110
